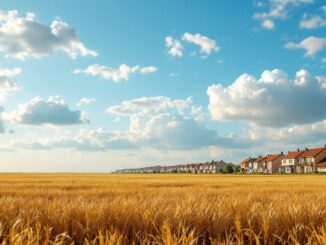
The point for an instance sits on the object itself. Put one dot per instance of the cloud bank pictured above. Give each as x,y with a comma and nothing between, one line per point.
159,123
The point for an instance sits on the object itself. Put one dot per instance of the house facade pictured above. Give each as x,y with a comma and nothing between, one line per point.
272,163
258,164
300,161
321,167
310,158
290,162
244,165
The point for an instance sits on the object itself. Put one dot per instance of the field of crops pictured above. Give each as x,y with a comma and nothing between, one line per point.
162,209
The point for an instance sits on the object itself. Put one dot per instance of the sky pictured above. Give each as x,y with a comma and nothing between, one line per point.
96,86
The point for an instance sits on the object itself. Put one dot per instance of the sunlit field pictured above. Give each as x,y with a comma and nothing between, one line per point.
162,209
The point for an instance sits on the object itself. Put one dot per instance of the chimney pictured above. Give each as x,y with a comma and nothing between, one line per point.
307,149
288,152
325,146
249,158
298,150
281,152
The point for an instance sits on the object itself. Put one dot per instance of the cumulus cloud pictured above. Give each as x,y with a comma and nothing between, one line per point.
53,111
174,46
311,44
273,100
115,75
85,101
312,22
164,123
25,37
8,81
159,123
207,45
278,10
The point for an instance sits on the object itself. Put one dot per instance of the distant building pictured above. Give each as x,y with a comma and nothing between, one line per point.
299,161
212,167
310,158
290,162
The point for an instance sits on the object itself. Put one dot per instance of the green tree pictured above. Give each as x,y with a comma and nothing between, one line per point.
228,169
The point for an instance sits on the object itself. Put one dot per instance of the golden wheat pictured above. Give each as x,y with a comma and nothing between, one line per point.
162,209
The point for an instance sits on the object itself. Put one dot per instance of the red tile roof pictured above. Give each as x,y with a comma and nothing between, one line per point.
272,157
293,154
321,165
312,152
260,159
247,160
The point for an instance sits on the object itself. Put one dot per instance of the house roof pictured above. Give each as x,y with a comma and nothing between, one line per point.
321,164
259,159
247,160
272,157
293,154
312,152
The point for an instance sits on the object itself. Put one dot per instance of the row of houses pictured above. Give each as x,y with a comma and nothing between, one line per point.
299,161
207,167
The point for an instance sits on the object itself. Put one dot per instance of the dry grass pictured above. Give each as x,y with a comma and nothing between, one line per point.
162,209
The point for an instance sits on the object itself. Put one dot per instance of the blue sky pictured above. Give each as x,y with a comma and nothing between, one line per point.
198,80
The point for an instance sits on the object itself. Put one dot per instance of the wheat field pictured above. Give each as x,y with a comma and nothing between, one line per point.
162,209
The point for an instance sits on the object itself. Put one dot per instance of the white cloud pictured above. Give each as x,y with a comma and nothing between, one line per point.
207,45
271,101
8,81
149,69
85,101
116,75
311,44
163,123
174,46
197,112
292,137
53,111
300,134
159,123
25,37
149,106
268,24
278,9
312,22
155,122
